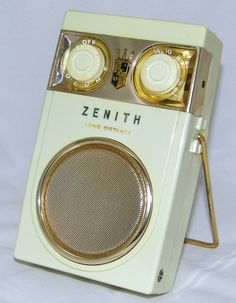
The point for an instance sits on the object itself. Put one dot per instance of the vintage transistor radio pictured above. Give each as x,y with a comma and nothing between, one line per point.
119,149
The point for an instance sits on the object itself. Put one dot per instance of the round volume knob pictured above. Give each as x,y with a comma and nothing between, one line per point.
85,63
160,73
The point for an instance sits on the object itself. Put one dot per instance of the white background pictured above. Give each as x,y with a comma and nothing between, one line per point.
28,36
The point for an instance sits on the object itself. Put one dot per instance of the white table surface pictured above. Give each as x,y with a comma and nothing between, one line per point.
28,37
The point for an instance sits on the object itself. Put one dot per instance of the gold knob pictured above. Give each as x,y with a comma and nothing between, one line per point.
86,64
160,73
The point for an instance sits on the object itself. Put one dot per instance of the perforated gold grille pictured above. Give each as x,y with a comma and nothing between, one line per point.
94,201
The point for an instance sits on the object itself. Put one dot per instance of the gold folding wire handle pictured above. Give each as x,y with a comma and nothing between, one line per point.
210,202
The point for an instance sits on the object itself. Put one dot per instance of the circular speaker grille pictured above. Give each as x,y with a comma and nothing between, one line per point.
94,201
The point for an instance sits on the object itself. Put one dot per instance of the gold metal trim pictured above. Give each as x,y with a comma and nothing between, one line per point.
198,90
116,253
189,97
210,201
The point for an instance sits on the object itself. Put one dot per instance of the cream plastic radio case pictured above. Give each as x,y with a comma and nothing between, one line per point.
117,156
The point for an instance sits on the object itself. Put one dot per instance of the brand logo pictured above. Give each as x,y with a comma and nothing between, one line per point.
107,114
121,68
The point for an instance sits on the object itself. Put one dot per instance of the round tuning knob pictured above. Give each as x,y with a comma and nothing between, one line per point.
160,73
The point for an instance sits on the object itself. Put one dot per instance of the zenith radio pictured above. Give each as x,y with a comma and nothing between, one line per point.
120,145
